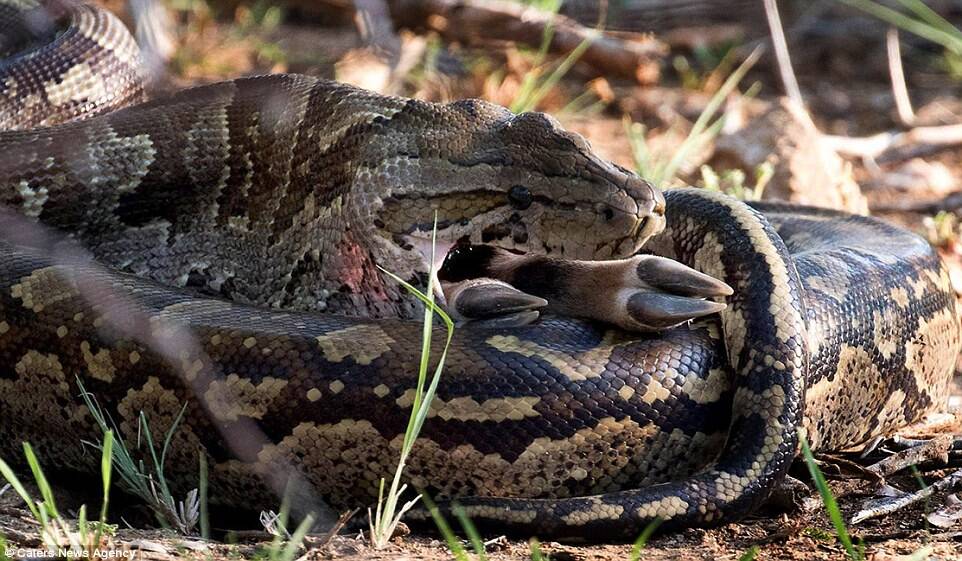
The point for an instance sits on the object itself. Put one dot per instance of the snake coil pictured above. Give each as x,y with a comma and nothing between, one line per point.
843,325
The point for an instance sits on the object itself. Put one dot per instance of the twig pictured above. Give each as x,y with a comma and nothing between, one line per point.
904,443
897,535
901,502
897,145
781,53
903,104
949,203
326,538
634,56
935,449
863,471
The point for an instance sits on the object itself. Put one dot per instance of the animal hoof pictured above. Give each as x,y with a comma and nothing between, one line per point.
655,311
667,293
494,302
674,278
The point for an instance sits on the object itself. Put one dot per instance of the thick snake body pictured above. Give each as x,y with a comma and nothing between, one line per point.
286,191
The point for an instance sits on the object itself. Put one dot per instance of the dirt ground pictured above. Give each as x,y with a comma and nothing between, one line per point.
846,97
804,533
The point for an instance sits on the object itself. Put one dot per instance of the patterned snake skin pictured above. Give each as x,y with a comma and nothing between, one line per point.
208,212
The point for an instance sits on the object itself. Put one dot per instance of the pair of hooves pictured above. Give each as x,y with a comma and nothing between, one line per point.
668,293
644,293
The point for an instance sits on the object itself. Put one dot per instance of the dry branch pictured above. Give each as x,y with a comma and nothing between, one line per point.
898,503
477,22
896,146
935,449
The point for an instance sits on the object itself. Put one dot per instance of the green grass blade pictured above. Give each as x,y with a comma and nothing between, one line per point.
83,528
643,538
163,452
558,73
45,491
17,486
297,539
202,489
931,17
706,116
419,412
454,544
912,25
429,302
750,554
106,471
831,505
471,531
535,547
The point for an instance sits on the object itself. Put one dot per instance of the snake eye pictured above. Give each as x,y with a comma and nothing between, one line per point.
520,197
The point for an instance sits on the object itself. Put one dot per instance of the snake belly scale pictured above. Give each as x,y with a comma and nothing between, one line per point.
235,231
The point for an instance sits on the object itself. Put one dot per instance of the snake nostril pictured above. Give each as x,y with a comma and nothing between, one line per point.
608,214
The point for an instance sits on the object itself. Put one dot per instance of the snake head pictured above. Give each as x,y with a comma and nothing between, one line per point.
519,182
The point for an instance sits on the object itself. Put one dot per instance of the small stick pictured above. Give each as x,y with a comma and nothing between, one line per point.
896,145
903,104
901,502
935,449
865,472
342,521
903,443
951,203
628,55
781,53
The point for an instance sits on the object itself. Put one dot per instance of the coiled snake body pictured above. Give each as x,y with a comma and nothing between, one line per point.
286,191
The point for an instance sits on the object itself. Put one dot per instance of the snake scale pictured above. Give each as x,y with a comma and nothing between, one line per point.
235,230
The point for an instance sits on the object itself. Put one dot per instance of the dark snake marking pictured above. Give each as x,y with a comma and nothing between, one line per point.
284,191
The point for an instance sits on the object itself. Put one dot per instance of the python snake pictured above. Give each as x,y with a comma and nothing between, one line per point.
209,211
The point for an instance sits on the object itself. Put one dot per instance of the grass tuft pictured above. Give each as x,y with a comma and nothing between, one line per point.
454,544
916,18
733,181
661,170
387,514
150,485
285,545
56,533
542,77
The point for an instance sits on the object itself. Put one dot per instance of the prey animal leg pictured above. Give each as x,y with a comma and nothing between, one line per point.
641,293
